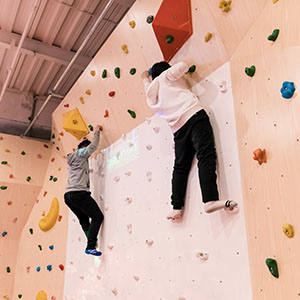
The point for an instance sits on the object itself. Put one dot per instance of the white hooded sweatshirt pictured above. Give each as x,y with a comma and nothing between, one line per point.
170,97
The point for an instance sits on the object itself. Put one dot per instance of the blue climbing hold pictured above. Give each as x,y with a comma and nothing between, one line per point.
49,268
38,269
4,233
150,71
51,247
288,89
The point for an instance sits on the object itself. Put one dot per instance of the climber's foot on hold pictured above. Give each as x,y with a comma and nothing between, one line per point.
175,215
93,252
213,206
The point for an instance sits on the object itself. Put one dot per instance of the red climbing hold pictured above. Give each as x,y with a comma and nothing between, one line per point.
61,267
112,93
52,159
45,193
174,19
46,146
106,113
66,105
59,218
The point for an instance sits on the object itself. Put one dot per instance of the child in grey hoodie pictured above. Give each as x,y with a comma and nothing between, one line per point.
78,197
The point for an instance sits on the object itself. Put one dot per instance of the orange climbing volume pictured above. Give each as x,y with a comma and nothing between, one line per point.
173,19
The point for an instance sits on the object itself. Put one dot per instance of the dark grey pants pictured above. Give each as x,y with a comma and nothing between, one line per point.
194,137
85,207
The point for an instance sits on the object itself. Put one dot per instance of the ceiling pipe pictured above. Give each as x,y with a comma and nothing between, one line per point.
24,35
71,63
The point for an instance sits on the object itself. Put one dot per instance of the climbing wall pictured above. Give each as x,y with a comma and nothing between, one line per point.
196,259
23,163
268,121
41,256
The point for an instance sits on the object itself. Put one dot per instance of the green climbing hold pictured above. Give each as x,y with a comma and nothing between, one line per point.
273,268
250,71
4,162
91,127
117,72
51,177
23,153
57,148
132,71
3,187
31,230
169,39
86,233
8,269
192,69
28,178
54,179
150,19
104,73
132,113
40,247
273,37
53,136
20,296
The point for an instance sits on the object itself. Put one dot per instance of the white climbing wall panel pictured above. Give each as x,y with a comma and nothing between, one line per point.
131,181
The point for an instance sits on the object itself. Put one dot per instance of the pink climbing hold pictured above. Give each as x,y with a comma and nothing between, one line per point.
110,247
53,298
115,292
129,228
156,129
136,278
28,269
15,220
98,277
116,179
39,156
149,242
149,147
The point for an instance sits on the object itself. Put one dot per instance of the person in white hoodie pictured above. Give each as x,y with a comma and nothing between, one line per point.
168,94
78,196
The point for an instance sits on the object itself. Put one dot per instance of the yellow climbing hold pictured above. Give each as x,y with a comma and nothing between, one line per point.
225,5
59,169
81,100
274,1
7,150
74,124
208,37
49,221
88,92
125,48
93,72
41,295
43,214
132,24
288,230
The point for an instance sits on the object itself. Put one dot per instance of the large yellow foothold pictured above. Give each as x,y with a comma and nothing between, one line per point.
132,24
225,5
125,48
74,124
93,72
274,1
88,92
41,295
49,221
288,230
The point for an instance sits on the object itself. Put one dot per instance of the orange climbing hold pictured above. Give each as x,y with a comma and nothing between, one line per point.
106,114
174,19
260,156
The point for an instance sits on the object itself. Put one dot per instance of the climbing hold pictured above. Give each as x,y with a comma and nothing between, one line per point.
66,105
57,148
52,159
31,230
54,179
51,247
136,278
149,147
132,113
51,177
115,292
225,5
59,218
40,247
3,187
53,136
46,146
111,94
275,1
208,37
260,156
61,133
23,153
41,295
132,71
192,69
4,162
28,178
223,86
28,269
117,72
287,90
19,296
129,228
7,150
91,128
88,92
106,114
61,267
93,72
11,176
8,269
273,268
49,268
104,73
202,256
125,48
288,230
15,220
81,99
273,37
45,193
149,242
9,203
4,233
49,221
250,71
110,247
150,19
169,39
38,269
132,24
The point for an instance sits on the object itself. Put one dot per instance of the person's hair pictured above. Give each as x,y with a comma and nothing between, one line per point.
158,68
84,144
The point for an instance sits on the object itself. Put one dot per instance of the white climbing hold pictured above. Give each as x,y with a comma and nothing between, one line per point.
202,256
129,228
223,86
128,200
116,179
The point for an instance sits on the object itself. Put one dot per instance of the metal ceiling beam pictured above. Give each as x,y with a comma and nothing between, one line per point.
42,50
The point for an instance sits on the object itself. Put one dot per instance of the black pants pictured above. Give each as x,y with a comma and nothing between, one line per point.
194,137
85,207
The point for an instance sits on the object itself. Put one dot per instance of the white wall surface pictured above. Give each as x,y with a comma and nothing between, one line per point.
131,181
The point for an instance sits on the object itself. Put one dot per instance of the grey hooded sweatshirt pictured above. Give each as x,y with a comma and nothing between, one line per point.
78,179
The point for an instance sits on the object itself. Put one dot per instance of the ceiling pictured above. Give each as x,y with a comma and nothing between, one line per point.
56,32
